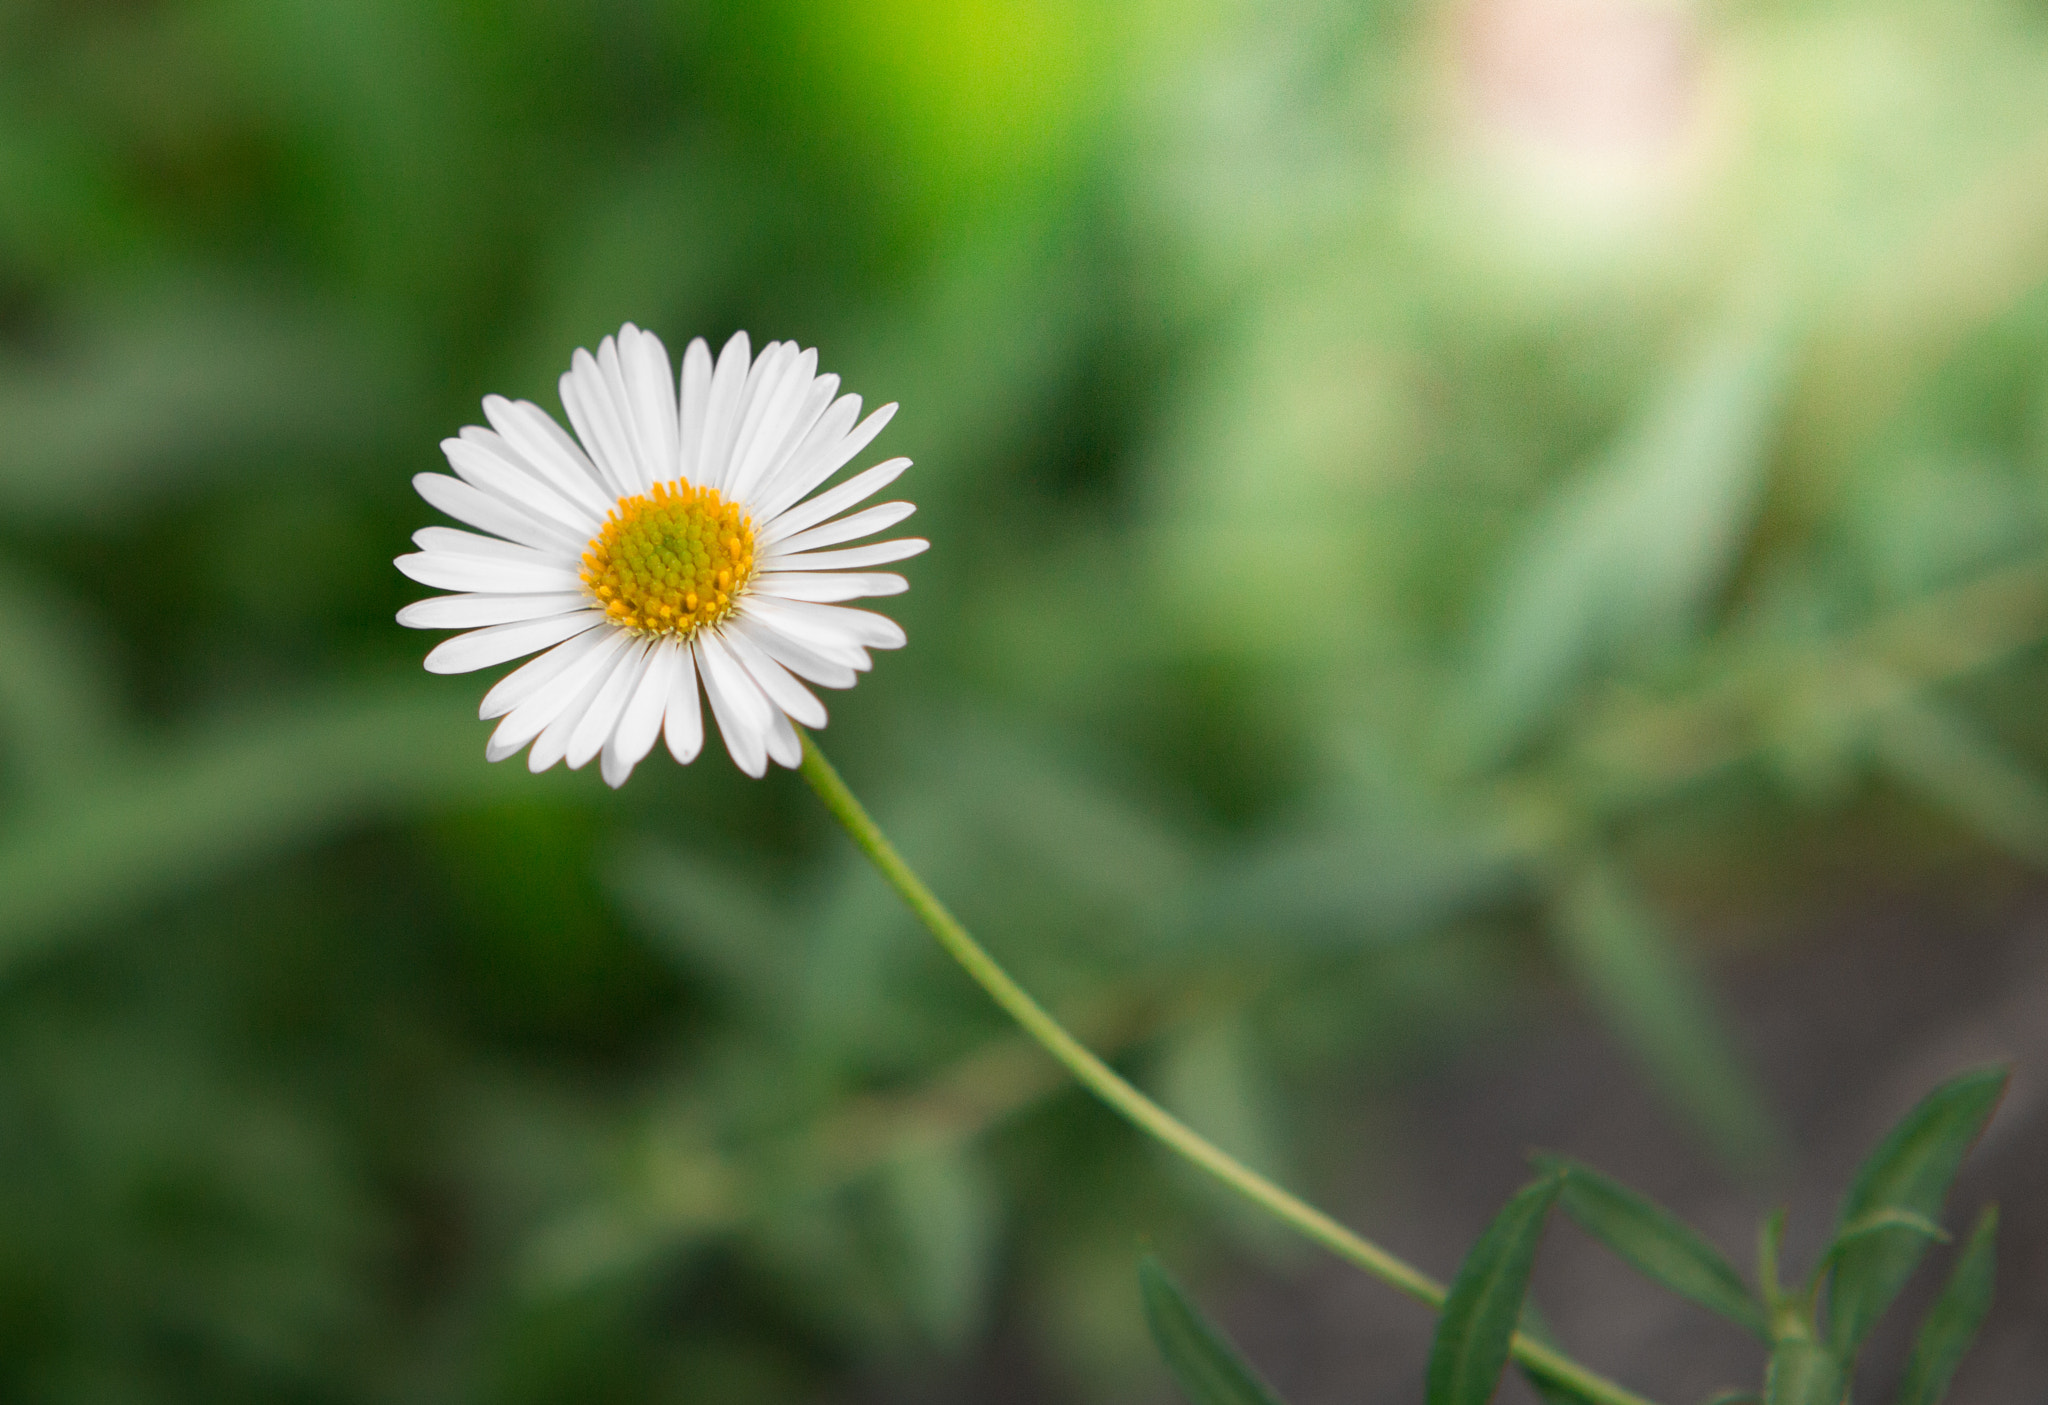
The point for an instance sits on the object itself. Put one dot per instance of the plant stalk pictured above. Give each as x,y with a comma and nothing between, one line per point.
1104,1081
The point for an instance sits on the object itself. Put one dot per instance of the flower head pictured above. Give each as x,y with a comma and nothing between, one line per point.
673,544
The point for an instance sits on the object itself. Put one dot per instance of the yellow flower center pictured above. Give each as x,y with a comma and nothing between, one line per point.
670,561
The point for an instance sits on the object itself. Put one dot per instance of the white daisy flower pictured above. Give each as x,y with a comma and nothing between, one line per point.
678,543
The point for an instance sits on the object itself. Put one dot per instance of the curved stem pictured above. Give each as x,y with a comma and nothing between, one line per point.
1104,1081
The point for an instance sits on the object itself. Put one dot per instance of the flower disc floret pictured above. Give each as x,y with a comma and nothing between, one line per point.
670,561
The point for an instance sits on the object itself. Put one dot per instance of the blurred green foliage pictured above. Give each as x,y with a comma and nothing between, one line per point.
1406,522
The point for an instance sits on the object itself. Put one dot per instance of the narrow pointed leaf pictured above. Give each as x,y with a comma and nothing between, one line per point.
1206,1366
1662,1247
1479,1318
1803,1372
1954,1319
1636,973
1910,1172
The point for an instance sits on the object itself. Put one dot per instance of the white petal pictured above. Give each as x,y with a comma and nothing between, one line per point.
696,396
775,460
818,462
444,571
776,681
467,503
484,461
772,495
765,384
602,720
473,611
553,742
501,643
789,400
744,713
827,624
682,725
588,400
722,412
453,541
640,720
650,403
785,748
797,657
526,680
529,436
824,587
866,523
876,554
572,686
857,489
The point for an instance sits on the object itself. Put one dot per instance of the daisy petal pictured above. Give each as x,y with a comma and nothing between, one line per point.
485,461
828,624
474,611
825,587
570,689
650,391
529,436
682,724
443,571
815,464
598,724
467,503
526,680
778,429
695,398
744,713
722,412
877,554
640,720
865,523
857,489
553,742
799,658
776,681
501,643
772,496
588,401
785,748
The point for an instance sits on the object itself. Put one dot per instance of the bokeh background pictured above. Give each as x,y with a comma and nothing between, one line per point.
1490,565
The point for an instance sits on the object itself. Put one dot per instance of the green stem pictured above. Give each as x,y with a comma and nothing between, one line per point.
1104,1081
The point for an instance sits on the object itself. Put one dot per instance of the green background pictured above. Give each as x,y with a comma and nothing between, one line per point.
1432,506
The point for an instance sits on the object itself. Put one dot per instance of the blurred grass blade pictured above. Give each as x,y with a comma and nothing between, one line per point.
1803,1372
1485,1305
1660,1245
1207,1367
1955,766
1659,1008
947,1215
1628,553
193,811
1911,1171
1954,1319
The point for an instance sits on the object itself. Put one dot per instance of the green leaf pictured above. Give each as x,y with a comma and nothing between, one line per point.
1803,1372
1910,1171
1627,554
947,1217
1660,1245
1653,1000
1736,1397
1954,1319
1479,1318
1891,1217
1206,1366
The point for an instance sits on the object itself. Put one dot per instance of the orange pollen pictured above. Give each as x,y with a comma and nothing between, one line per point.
671,560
